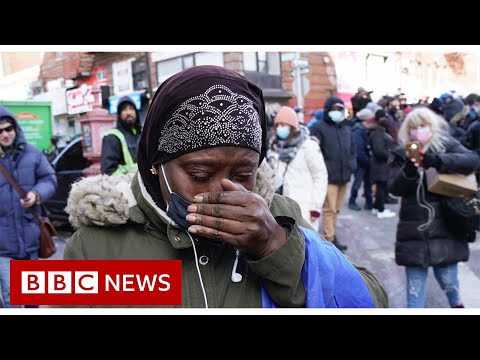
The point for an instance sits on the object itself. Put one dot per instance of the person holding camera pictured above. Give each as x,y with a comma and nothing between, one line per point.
423,239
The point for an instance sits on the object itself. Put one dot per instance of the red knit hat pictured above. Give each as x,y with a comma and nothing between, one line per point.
286,115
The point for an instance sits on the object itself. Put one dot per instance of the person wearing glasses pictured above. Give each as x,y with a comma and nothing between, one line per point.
19,233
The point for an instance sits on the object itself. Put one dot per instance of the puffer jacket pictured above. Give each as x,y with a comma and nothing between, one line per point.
19,232
337,145
120,221
381,143
436,245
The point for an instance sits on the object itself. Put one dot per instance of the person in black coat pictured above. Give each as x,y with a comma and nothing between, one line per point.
338,150
113,159
363,153
381,142
423,239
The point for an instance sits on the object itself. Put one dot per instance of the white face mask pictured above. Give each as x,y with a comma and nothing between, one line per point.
337,116
282,132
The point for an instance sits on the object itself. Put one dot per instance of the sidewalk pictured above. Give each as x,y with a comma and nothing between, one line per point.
371,243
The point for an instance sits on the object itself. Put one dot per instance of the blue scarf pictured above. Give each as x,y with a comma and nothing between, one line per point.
330,280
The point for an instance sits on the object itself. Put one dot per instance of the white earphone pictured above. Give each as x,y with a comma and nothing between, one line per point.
236,277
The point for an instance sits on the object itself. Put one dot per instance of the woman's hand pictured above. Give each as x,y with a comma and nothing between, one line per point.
431,160
238,217
410,168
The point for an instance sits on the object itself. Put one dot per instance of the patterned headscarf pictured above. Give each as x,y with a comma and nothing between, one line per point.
199,108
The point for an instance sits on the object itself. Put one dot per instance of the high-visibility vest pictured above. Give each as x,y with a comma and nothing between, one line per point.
130,166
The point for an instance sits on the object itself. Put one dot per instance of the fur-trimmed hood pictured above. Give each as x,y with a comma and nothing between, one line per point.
104,200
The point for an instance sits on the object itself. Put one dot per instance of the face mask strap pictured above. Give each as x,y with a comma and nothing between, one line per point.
166,182
165,178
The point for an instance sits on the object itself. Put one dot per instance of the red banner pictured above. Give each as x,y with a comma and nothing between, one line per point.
96,282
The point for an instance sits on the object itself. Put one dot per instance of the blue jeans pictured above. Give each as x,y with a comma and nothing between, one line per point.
361,174
447,278
5,278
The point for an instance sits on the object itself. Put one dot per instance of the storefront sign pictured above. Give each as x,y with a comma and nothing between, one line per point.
35,118
80,100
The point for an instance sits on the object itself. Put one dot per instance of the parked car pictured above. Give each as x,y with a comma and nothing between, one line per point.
69,165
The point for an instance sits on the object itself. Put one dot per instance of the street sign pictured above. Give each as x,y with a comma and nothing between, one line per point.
299,63
302,71
305,71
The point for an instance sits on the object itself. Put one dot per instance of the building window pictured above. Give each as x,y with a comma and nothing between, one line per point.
170,67
262,62
101,76
140,73
122,77
59,55
167,68
209,58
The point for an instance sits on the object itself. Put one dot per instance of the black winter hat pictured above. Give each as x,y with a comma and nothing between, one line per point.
452,108
379,114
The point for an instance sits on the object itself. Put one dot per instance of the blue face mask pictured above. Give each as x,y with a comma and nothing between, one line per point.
177,207
282,132
336,116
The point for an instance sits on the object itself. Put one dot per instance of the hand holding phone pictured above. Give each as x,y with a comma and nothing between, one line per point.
413,152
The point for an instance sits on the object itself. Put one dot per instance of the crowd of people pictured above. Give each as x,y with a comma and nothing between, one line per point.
374,140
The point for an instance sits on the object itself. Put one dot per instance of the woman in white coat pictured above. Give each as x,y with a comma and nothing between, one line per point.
300,171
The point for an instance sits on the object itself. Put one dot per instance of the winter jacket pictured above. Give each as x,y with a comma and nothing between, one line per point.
305,178
472,141
344,288
337,145
143,231
393,127
362,147
436,245
19,232
380,144
112,154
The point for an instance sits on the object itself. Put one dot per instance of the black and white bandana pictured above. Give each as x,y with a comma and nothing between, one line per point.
199,108
219,116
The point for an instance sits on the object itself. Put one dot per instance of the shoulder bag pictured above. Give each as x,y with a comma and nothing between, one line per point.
462,215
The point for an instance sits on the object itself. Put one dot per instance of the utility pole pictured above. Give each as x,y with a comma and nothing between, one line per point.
300,69
298,79
149,78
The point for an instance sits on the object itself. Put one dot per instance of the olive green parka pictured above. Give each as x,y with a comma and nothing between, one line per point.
117,219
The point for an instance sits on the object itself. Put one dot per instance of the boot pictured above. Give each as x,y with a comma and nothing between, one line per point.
353,206
339,246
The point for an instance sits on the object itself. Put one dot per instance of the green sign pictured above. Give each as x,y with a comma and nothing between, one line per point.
35,118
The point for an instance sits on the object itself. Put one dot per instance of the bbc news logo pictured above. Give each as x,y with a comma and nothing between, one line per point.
96,282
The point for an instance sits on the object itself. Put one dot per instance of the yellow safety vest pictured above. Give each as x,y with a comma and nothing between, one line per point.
130,166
